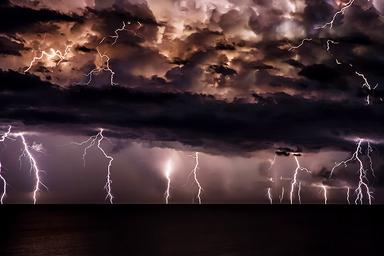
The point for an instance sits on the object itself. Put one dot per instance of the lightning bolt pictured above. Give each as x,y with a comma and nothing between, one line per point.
330,24
89,143
167,173
299,193
340,12
122,28
194,171
365,84
269,195
348,192
301,44
362,184
294,180
329,42
4,193
103,56
52,54
116,36
105,67
281,197
324,188
34,166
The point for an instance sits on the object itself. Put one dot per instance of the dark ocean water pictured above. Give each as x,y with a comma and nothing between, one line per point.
191,230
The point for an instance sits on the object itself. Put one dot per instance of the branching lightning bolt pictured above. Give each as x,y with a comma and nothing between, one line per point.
362,184
117,35
294,180
195,177
103,56
340,12
34,166
50,55
97,140
105,67
4,193
33,163
366,84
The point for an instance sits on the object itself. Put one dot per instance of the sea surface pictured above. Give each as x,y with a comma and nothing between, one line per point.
183,230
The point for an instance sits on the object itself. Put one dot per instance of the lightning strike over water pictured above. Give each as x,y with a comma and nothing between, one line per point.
281,197
299,193
4,193
269,194
33,163
167,172
348,191
196,157
4,185
362,187
294,179
324,188
34,166
97,140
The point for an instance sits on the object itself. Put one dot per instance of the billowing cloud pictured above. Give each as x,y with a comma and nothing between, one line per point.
228,78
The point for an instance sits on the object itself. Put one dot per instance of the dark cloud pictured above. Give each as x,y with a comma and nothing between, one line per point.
9,47
194,120
28,18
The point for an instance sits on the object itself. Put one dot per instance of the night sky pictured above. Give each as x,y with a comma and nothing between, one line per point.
257,97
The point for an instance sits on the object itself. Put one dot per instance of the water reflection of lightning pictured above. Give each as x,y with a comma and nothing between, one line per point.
97,140
362,187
